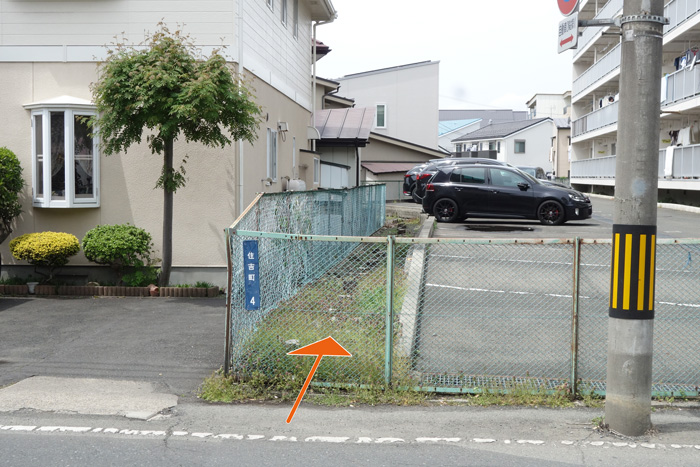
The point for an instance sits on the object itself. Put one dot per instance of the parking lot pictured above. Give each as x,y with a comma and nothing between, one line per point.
672,223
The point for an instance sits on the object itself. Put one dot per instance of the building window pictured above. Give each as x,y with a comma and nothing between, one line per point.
613,149
492,145
272,154
65,159
271,4
317,170
380,118
458,147
295,19
284,12
520,146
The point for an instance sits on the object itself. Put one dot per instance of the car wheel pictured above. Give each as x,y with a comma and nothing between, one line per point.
416,198
445,210
551,212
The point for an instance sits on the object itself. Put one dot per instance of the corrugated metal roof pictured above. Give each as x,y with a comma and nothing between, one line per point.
388,167
346,125
452,125
500,130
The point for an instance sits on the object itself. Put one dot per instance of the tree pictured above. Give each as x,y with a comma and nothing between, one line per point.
165,85
11,183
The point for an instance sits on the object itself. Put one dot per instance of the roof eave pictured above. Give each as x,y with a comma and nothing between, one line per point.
322,10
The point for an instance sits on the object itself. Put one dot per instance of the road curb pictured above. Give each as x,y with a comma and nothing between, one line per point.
415,269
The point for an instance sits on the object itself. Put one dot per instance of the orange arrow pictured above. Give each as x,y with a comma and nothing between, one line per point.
327,346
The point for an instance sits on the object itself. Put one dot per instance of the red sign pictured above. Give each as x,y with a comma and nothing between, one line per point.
567,6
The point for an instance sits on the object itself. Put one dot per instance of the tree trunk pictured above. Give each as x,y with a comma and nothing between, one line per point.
167,252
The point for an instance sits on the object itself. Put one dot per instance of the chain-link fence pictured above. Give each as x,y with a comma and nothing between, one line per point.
453,315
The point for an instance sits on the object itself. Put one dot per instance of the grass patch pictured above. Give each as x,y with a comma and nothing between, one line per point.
260,388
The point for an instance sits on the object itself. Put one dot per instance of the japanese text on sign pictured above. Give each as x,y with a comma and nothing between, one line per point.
251,273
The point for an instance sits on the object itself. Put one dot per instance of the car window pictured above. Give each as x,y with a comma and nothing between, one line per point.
468,175
506,178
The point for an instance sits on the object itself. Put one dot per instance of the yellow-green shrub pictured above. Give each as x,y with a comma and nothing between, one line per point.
50,249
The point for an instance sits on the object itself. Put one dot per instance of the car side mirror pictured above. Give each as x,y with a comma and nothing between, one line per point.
523,186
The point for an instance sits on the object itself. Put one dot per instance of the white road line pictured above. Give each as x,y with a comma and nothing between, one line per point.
333,439
514,292
438,440
690,305
17,428
326,439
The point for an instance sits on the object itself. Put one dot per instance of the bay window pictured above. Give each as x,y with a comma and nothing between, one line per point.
65,159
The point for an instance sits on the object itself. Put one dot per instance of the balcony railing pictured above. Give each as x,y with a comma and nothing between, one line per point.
685,165
678,11
608,63
595,120
681,85
608,11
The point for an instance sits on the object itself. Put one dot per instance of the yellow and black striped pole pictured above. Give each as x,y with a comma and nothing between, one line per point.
633,272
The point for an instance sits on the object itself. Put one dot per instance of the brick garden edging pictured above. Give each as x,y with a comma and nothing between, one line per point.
108,291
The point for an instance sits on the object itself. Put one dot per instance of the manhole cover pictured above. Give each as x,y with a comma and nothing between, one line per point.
499,228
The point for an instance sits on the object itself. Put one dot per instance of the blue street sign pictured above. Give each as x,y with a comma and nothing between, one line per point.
251,274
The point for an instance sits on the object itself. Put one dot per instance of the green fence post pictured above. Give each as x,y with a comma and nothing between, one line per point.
574,315
227,351
389,325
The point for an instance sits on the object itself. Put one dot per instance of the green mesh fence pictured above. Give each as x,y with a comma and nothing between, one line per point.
449,315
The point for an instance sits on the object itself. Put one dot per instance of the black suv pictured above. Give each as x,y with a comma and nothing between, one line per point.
481,190
416,178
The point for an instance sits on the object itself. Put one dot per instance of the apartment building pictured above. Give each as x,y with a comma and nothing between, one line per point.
595,101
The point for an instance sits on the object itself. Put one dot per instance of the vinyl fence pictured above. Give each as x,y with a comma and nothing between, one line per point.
448,315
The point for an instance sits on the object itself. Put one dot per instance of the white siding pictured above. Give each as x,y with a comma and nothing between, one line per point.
96,23
272,53
77,31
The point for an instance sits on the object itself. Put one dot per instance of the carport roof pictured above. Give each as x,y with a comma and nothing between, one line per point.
388,167
345,127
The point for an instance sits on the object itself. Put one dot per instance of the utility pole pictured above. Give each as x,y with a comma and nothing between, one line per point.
631,313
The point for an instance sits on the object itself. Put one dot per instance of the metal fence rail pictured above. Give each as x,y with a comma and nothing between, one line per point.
287,267
459,315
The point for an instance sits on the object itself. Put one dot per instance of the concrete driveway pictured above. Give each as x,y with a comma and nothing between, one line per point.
169,344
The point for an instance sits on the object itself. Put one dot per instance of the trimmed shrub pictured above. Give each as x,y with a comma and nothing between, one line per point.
125,248
47,249
11,183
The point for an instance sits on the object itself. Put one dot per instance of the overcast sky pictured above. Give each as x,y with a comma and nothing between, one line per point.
494,54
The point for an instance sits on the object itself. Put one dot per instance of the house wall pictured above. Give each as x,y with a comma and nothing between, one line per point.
538,141
562,155
379,151
203,208
77,31
411,95
272,53
551,105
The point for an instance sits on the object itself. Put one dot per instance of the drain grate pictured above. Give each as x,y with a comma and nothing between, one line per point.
499,228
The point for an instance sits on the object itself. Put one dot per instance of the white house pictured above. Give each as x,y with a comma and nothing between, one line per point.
519,143
48,58
449,130
405,100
